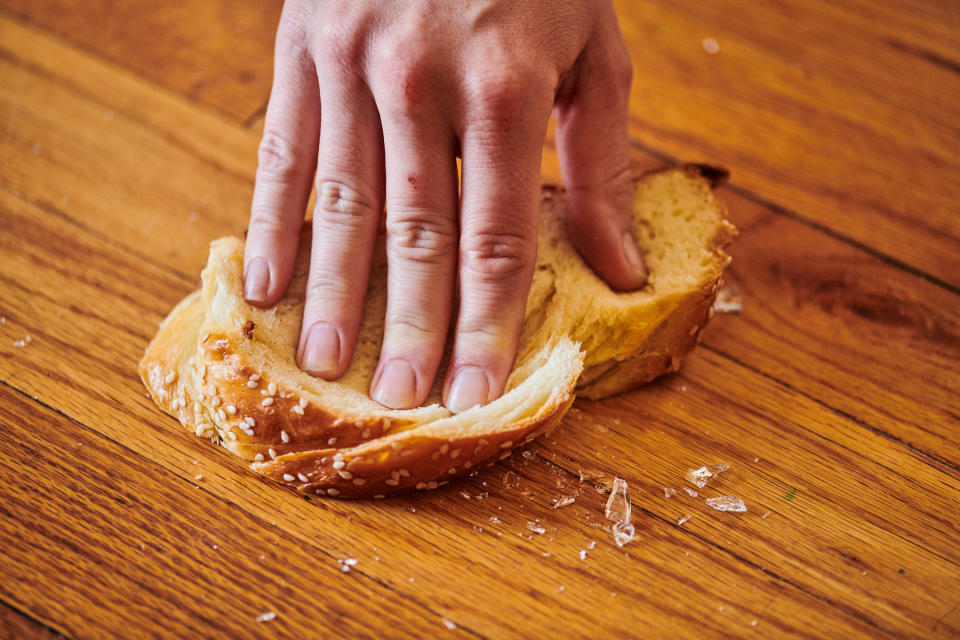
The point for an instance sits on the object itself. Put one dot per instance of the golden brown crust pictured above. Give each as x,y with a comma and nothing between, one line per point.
667,344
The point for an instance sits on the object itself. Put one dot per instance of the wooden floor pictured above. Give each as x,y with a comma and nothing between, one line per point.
128,133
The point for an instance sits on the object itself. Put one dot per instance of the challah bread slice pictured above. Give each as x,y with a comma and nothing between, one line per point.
227,371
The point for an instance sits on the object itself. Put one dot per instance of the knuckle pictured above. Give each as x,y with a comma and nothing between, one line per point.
430,240
401,71
499,90
338,42
341,205
412,325
330,292
497,257
277,158
267,224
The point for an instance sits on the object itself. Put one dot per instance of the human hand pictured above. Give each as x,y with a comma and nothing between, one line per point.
376,100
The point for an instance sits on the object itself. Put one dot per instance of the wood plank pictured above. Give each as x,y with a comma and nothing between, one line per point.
840,325
14,624
99,541
217,53
859,138
656,584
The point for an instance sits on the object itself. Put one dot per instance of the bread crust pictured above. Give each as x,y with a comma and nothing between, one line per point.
212,367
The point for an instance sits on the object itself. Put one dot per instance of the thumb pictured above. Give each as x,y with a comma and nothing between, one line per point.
592,140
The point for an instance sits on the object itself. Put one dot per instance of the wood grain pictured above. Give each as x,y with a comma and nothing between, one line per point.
859,138
147,550
454,529
832,395
217,53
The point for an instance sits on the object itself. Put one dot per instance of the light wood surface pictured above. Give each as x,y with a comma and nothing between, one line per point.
128,136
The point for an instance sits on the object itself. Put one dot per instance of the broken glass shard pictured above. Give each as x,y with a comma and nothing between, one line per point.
727,503
701,476
669,492
623,533
535,527
728,300
563,501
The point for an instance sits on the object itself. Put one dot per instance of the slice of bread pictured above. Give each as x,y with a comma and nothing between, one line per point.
226,369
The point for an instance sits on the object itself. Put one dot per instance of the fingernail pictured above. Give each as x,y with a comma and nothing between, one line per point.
321,350
632,255
256,281
397,386
468,389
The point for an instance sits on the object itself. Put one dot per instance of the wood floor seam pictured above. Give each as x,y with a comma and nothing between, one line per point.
797,217
839,412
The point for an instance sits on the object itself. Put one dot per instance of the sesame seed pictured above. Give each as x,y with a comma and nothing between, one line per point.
255,377
170,377
392,482
302,478
215,402
365,434
284,437
288,477
303,402
258,457
272,454
444,448
452,470
434,455
174,404
421,485
507,444
201,429
482,442
247,431
379,496
467,464
197,407
250,421
221,415
339,464
332,492
231,435
211,389
203,371
231,409
332,441
455,454
505,455
183,401
204,338
404,473
297,409
338,456
346,475
432,485
359,482
252,384
272,388
267,402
